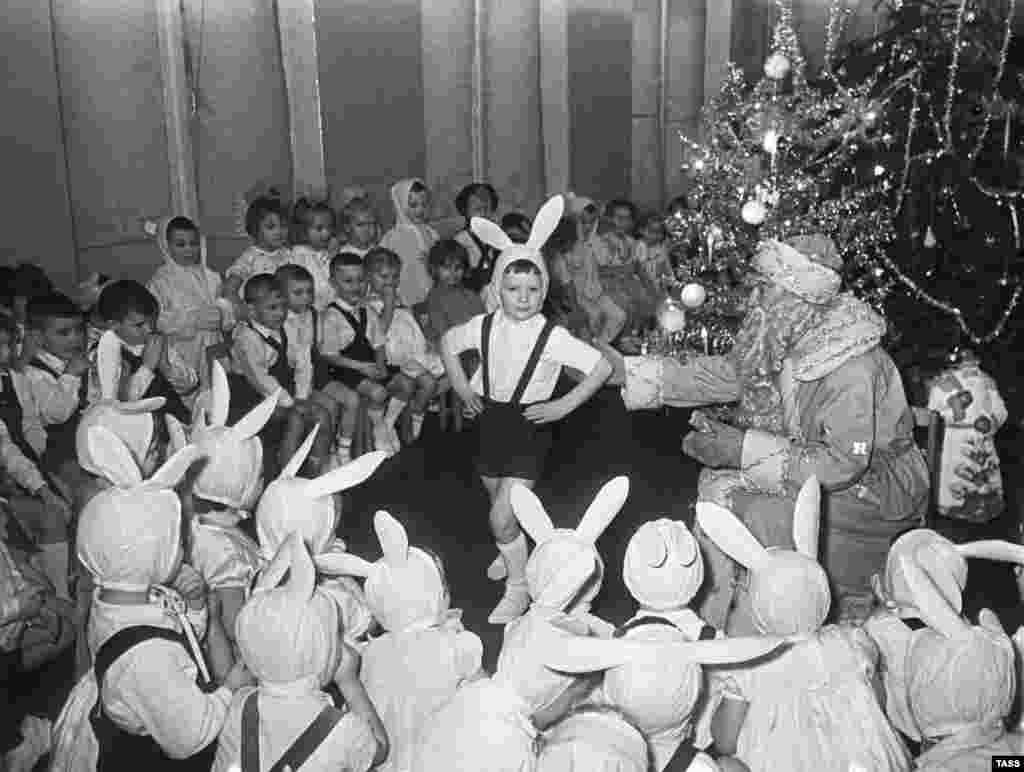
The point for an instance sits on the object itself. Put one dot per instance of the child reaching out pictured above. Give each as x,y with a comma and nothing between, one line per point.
411,238
522,355
317,228
416,368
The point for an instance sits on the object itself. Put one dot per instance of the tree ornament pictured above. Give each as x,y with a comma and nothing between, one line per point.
693,295
929,238
777,66
753,213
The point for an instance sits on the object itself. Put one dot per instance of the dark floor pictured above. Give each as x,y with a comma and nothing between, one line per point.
431,488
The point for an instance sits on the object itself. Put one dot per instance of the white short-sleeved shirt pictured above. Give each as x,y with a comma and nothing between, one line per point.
336,333
510,346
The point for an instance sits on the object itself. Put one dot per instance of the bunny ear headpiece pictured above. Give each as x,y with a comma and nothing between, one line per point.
129,535
944,562
543,226
565,560
788,589
288,633
663,567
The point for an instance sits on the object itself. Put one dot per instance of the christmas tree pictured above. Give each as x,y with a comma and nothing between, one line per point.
903,149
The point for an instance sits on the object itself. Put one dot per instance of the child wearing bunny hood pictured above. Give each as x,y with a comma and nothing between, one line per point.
522,355
812,707
149,698
308,507
425,655
288,636
897,623
961,681
225,490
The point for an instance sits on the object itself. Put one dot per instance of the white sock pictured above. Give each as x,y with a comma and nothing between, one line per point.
54,559
395,408
417,425
516,553
376,415
344,451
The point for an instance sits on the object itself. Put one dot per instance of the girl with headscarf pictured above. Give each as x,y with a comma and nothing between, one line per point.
187,291
411,238
522,356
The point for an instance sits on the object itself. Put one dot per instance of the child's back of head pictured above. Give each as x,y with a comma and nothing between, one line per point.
122,298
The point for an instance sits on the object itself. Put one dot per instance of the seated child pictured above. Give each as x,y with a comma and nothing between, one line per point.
352,345
316,228
156,702
57,375
450,302
651,249
288,636
266,226
34,497
148,366
813,705
522,355
411,238
516,226
562,303
187,292
606,318
27,282
478,199
361,227
415,366
263,362
223,494
424,655
622,276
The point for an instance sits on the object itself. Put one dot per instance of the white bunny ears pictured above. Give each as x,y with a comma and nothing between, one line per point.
342,478
543,226
117,464
292,556
535,520
246,427
394,542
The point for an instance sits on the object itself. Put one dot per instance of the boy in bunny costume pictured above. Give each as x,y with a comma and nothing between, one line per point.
894,625
652,674
425,655
288,637
961,681
522,355
224,492
153,703
812,707
593,739
308,507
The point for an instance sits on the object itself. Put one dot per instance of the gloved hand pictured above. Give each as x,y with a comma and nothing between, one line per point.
716,445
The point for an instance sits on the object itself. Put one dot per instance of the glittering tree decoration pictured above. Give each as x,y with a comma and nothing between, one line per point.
894,150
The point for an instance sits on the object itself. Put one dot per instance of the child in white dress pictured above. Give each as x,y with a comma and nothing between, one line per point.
266,225
293,504
317,225
361,227
411,238
813,706
289,638
522,355
425,655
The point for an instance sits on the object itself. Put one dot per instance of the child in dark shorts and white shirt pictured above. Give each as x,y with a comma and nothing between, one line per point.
522,356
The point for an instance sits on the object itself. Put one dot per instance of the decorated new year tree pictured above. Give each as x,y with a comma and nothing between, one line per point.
903,148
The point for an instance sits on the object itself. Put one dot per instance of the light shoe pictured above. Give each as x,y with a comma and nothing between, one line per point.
512,605
382,439
37,738
497,570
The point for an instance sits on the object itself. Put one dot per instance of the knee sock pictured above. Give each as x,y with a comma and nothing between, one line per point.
516,553
417,425
395,408
54,560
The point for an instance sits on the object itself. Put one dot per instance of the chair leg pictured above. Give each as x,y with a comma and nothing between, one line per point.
457,416
443,408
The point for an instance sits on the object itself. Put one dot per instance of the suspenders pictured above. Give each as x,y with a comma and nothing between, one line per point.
531,363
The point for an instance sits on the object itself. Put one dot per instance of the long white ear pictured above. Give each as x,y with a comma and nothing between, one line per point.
345,477
650,545
603,509
140,406
302,581
344,564
546,222
108,365
490,233
686,545
176,433
220,396
530,513
394,541
726,530
174,468
934,610
806,518
252,423
111,455
993,549
294,464
271,574
566,584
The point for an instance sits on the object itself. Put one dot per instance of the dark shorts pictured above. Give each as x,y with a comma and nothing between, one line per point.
508,444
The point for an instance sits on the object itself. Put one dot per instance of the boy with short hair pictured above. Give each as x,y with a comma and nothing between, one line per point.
149,366
263,361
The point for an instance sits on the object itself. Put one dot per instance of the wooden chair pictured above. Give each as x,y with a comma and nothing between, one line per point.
928,430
